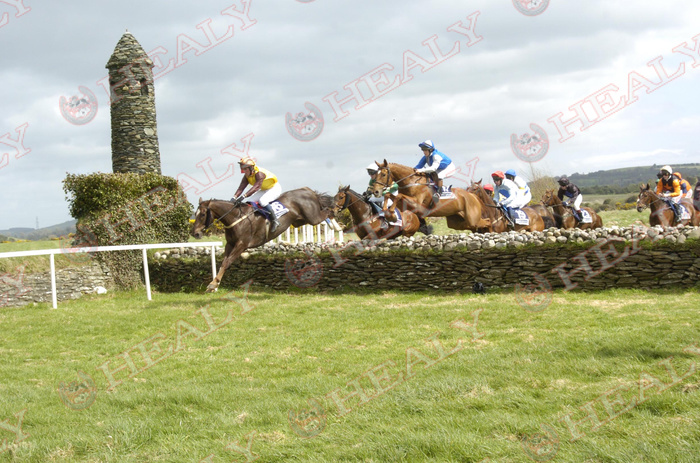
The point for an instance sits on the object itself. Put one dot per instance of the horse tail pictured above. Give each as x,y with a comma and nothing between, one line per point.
548,222
324,200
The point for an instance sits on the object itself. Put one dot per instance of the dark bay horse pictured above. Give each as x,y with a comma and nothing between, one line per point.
415,194
245,229
565,217
497,221
661,213
367,224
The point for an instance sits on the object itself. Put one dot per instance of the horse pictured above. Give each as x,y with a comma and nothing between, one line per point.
696,196
661,213
463,212
565,218
245,229
366,223
497,220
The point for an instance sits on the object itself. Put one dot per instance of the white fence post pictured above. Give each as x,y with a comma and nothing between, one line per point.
146,276
54,298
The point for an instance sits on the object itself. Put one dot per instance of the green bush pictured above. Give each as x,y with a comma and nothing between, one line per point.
120,209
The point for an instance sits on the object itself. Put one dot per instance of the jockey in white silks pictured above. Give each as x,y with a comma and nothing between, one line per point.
524,194
507,192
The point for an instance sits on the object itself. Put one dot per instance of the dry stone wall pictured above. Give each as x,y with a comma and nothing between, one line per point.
607,258
18,289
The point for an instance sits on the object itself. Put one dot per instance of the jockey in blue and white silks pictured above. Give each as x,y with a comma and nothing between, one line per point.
524,194
435,164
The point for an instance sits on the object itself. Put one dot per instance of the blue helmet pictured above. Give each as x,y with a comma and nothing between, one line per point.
510,172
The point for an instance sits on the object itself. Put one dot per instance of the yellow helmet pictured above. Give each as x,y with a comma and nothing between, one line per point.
247,162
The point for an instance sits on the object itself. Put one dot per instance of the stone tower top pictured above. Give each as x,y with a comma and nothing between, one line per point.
128,51
133,109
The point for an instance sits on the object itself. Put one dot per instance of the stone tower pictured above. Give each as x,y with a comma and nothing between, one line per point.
133,109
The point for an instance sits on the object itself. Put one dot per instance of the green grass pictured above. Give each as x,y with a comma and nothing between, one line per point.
527,369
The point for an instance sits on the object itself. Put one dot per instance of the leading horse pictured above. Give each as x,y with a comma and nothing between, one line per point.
247,229
497,221
369,224
463,212
564,216
661,213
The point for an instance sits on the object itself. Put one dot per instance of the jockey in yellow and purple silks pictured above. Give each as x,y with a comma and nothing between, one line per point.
265,188
436,165
669,188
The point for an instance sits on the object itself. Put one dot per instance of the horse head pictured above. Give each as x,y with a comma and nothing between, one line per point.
202,219
382,179
341,200
645,198
548,198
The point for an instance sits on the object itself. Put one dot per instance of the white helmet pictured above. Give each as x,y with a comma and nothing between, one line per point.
372,168
667,169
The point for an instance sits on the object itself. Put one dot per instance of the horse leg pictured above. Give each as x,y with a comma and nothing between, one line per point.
231,254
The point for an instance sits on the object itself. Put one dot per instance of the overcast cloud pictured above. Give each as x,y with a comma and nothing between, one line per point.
287,53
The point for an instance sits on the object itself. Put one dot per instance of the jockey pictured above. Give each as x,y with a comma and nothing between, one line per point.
523,189
436,165
377,203
507,193
265,188
686,188
571,191
669,188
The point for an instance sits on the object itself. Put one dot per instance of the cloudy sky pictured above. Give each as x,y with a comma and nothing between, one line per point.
608,83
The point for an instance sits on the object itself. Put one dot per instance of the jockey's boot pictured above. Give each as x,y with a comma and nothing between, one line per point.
274,223
676,213
577,215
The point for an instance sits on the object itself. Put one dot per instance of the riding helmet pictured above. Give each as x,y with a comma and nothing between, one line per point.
427,145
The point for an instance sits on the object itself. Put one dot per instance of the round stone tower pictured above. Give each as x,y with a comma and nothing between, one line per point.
133,109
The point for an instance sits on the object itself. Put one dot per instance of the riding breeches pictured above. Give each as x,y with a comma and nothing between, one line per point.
265,197
448,171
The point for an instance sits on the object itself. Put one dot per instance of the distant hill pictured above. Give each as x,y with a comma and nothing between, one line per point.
32,234
628,179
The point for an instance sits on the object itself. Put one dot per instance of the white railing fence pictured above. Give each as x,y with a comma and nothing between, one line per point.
321,233
143,247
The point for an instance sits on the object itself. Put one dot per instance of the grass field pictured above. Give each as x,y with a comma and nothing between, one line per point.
383,377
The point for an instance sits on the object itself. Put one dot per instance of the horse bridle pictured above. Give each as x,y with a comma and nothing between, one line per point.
388,171
209,221
347,202
658,198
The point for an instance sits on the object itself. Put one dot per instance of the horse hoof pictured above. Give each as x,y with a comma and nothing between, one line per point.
212,288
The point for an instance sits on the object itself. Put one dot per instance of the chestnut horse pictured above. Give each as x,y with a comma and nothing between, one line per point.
245,229
565,217
661,213
498,222
463,212
369,224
